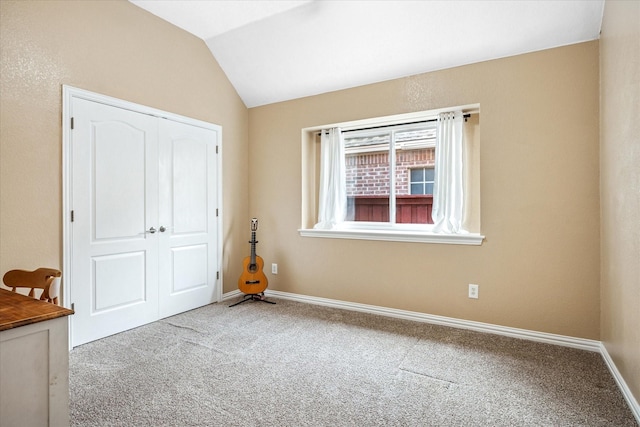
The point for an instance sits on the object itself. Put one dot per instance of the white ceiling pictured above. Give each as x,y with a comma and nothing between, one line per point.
273,51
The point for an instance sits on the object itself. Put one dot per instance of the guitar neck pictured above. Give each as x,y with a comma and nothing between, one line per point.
253,247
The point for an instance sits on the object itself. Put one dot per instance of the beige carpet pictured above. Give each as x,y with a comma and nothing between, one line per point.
293,364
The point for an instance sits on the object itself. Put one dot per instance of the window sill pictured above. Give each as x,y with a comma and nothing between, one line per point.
397,236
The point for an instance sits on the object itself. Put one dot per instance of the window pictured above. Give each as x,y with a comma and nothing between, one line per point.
421,180
379,174
389,177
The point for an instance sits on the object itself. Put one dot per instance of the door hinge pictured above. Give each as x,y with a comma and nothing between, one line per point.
71,122
72,216
217,275
73,306
216,149
216,211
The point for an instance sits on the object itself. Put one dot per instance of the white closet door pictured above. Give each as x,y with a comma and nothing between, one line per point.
188,195
114,180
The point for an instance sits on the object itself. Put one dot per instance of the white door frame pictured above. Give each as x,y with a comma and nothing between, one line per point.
68,94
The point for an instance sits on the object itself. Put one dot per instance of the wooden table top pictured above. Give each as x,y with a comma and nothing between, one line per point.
20,310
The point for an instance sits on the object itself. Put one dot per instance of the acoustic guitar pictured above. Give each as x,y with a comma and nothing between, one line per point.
253,280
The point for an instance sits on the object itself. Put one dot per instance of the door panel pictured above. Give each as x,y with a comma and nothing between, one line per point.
115,199
189,183
188,194
190,269
119,197
121,281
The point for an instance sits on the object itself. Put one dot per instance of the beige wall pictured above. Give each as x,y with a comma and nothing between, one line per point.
539,266
113,48
620,187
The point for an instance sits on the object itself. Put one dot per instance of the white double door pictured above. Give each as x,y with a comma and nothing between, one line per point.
144,232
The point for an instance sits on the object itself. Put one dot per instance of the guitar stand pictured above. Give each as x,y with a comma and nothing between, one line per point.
253,297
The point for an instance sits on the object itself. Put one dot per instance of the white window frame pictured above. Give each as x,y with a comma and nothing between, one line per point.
370,230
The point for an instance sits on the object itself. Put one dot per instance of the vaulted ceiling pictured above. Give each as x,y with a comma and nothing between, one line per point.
273,51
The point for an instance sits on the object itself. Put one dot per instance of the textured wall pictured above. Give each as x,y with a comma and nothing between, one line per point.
539,266
113,48
620,186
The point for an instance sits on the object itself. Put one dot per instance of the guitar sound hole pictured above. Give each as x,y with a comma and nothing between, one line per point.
253,268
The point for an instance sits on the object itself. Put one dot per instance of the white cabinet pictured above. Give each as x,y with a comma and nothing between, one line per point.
34,363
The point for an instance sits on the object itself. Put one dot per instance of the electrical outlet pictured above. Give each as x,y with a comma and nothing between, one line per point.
473,291
274,268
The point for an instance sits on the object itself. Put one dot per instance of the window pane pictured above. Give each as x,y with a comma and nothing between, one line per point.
429,188
367,173
417,188
412,161
417,175
429,174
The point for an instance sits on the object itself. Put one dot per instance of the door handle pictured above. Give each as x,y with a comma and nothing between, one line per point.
162,229
152,230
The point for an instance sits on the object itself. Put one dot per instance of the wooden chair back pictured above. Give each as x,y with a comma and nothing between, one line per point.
47,279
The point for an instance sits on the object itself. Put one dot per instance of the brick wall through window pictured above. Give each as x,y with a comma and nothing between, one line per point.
367,174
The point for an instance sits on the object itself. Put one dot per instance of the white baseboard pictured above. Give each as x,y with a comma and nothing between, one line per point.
581,343
622,384
231,294
562,340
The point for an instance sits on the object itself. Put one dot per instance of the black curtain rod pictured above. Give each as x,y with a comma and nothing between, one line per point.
465,116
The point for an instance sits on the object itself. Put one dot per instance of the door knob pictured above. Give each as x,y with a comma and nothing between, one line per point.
162,229
152,230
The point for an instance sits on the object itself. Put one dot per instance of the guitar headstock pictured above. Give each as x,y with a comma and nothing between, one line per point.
254,224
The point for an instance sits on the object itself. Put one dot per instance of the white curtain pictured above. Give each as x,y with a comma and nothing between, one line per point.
448,187
332,206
